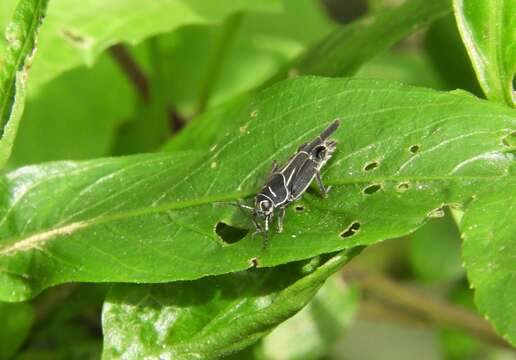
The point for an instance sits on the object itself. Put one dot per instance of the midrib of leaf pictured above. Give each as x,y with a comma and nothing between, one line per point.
33,241
496,17
18,66
493,16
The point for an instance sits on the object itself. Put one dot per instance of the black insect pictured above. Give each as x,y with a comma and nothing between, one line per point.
287,183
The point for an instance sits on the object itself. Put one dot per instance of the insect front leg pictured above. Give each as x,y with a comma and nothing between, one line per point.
324,190
268,219
281,217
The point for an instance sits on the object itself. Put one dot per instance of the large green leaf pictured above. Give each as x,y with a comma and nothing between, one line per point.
489,256
343,51
21,33
487,29
211,317
76,35
404,152
69,120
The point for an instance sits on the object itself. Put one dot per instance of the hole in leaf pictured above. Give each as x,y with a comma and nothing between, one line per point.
351,230
414,149
371,166
371,189
436,213
299,208
403,186
230,234
253,262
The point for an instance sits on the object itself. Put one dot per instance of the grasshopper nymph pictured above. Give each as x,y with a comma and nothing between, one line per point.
286,184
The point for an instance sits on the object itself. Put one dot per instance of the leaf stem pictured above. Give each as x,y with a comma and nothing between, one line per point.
132,70
424,307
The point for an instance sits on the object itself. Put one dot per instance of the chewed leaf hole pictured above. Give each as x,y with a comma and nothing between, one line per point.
371,189
414,149
403,186
299,208
230,234
371,166
254,262
351,230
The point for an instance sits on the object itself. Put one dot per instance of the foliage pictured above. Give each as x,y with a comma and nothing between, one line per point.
136,137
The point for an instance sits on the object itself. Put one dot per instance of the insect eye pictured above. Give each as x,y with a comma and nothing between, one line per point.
265,205
320,152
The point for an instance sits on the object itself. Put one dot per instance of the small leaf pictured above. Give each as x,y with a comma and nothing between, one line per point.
489,255
487,30
211,317
21,34
153,217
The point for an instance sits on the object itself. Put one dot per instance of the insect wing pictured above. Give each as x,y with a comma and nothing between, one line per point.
304,177
291,170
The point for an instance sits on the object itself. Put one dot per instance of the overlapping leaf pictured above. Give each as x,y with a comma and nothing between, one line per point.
211,317
490,255
403,153
487,30
343,51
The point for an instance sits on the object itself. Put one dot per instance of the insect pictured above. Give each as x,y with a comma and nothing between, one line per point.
286,184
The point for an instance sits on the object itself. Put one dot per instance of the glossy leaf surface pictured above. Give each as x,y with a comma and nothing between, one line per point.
403,153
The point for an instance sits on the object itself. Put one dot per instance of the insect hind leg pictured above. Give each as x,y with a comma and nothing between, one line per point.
324,190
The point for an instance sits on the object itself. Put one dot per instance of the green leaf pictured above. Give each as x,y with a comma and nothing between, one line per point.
16,322
343,52
487,29
404,152
21,33
83,123
76,35
435,249
220,61
204,130
312,332
488,254
448,56
406,67
211,317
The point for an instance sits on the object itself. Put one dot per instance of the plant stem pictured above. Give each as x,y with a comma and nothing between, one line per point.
132,70
422,306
